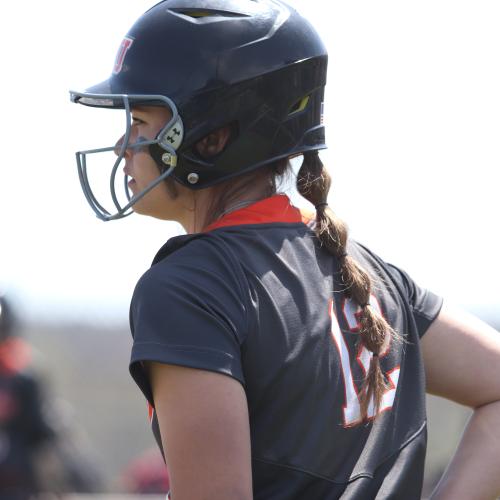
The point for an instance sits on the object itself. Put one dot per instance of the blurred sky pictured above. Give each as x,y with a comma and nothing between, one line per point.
413,127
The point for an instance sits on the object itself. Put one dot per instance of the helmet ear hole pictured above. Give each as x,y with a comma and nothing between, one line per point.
216,142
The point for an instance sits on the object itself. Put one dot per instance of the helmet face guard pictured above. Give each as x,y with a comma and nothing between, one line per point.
256,66
166,142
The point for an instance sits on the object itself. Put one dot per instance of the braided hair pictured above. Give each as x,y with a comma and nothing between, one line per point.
313,183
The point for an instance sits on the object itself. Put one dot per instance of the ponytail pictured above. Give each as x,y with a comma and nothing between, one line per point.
313,183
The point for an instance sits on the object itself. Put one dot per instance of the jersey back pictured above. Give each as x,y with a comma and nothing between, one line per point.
268,307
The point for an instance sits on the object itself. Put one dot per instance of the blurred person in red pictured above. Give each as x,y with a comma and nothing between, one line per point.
147,474
23,427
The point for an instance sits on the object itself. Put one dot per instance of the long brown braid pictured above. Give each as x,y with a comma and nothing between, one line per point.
313,183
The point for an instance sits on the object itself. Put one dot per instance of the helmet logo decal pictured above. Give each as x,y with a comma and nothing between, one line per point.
172,137
122,52
175,132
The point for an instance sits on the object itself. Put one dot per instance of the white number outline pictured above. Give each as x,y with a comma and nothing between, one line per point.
351,408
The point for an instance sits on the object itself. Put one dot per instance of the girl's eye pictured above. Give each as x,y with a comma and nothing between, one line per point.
137,121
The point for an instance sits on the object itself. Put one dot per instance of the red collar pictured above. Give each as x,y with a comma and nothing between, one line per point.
277,208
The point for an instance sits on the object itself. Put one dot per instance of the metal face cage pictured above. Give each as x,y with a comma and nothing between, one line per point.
169,139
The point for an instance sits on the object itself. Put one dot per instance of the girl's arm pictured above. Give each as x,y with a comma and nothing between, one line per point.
462,363
203,419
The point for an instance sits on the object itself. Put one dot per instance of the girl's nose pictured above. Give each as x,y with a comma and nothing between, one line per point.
118,146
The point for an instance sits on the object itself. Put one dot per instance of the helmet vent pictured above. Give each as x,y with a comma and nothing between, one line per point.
299,106
204,13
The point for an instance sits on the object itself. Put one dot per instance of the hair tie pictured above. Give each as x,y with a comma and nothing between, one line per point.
375,354
366,304
321,205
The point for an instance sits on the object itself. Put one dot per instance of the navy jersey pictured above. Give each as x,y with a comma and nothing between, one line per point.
257,298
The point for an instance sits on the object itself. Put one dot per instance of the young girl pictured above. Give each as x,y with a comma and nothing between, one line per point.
280,359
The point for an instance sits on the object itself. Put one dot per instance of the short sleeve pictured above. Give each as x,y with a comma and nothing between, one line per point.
424,304
188,314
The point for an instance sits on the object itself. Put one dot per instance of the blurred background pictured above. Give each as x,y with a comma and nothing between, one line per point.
413,125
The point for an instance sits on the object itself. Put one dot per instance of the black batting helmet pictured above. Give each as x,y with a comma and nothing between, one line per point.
256,65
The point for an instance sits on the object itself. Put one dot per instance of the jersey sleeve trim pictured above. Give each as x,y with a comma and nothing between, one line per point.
181,355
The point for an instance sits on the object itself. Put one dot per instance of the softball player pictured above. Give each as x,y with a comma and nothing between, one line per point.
280,359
